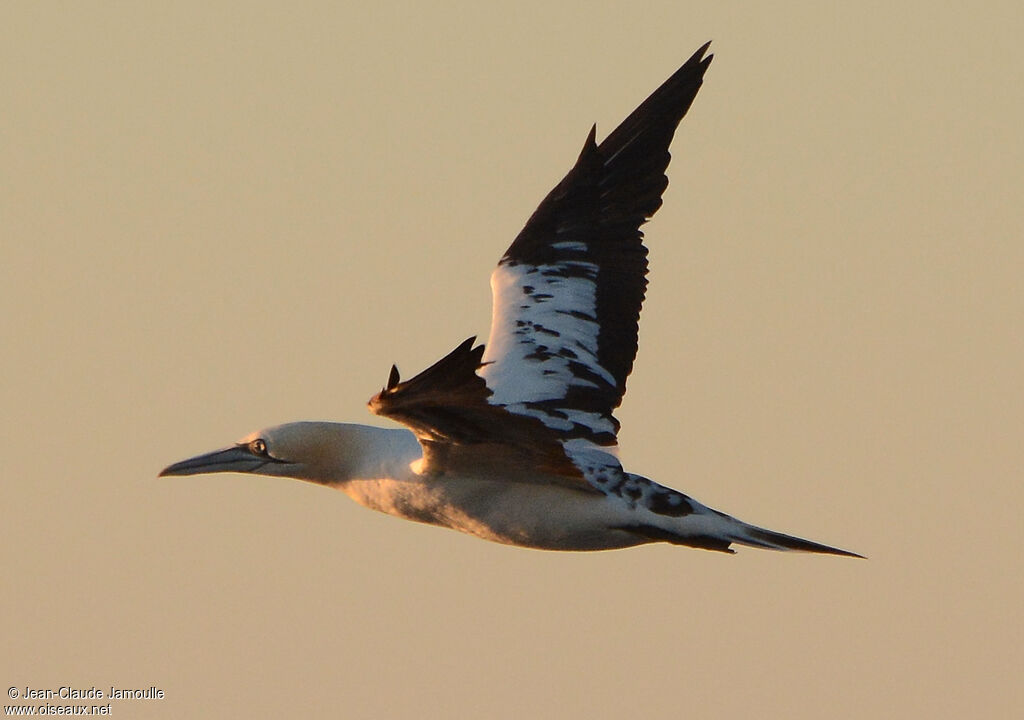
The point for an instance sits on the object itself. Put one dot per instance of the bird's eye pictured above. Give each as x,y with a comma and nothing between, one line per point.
258,447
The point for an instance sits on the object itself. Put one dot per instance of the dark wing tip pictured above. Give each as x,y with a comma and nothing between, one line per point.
698,57
393,378
665,107
450,380
590,144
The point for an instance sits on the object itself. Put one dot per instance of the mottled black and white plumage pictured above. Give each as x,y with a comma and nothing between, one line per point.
515,441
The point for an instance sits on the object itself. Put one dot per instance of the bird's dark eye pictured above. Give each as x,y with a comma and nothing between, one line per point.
258,447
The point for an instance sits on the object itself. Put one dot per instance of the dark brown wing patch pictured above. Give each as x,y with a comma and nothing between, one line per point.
446,407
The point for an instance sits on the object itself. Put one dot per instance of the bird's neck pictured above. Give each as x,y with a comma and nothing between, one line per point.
362,452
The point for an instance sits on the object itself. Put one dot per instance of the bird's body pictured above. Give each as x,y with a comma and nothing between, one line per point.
516,442
547,517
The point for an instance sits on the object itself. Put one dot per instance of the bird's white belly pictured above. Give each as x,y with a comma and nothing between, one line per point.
544,516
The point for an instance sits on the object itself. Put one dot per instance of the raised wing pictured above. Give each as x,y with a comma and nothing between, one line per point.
567,293
537,405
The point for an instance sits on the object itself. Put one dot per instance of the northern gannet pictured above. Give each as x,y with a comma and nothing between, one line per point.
516,443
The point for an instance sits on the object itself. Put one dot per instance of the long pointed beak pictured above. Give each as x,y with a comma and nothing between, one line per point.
236,458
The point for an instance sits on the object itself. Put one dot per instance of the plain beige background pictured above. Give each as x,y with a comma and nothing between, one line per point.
217,217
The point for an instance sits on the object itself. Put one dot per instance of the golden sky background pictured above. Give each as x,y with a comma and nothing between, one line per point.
217,217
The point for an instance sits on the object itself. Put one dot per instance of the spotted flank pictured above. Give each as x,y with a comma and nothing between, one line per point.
515,440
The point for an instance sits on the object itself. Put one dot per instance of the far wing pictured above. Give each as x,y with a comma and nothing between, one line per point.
567,293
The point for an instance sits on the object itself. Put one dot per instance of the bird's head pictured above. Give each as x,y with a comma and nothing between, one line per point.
314,451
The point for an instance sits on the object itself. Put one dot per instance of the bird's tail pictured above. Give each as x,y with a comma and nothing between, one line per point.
713,530
746,534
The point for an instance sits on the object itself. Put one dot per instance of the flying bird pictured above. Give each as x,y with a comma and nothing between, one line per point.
515,441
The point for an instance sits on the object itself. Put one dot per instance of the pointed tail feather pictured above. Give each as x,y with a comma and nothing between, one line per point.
724,530
759,537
